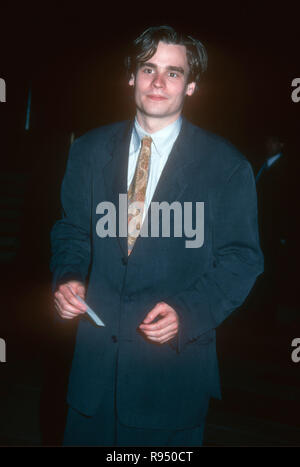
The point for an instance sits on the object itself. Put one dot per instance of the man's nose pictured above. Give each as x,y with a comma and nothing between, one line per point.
158,81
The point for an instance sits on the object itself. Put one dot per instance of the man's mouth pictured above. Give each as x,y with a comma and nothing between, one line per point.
155,97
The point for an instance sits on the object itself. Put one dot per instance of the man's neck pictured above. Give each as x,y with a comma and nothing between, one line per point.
152,125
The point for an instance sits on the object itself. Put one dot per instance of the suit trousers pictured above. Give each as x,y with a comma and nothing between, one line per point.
105,429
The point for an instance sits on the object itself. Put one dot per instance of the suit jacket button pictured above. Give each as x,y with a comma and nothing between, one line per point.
114,339
124,261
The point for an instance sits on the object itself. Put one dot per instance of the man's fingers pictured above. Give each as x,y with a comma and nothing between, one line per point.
62,312
67,315
157,310
69,295
66,297
66,303
160,324
65,306
81,291
66,312
168,338
162,340
165,328
161,332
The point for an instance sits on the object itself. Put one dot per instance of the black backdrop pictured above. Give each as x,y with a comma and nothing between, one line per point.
72,60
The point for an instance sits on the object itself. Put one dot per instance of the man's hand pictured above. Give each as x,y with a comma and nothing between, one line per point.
67,305
165,328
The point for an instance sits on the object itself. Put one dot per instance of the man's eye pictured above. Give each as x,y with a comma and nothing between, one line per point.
148,70
173,74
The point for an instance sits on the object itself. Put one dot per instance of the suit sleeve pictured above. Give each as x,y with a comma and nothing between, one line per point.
70,236
237,261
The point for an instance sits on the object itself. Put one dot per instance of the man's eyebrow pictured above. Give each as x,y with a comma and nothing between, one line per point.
179,69
148,64
176,68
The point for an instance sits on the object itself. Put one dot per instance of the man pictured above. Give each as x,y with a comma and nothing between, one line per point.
146,377
274,149
277,192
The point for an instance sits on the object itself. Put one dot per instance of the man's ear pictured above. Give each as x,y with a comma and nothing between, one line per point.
132,80
190,88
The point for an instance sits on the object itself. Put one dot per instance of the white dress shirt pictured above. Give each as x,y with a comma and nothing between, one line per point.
161,146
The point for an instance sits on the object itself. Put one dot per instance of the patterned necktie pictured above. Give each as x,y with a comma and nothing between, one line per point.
137,192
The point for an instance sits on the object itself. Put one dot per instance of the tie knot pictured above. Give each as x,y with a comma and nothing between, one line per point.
146,142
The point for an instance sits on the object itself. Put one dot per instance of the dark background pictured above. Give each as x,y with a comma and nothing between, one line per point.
72,59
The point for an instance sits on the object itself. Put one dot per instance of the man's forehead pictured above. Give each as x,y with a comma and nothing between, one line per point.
168,54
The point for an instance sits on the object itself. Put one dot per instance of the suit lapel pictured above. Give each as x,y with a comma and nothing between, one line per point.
115,174
173,180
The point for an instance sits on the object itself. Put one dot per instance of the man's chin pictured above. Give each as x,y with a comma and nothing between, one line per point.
156,113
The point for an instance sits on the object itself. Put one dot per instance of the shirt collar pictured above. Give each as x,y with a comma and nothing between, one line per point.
273,159
162,139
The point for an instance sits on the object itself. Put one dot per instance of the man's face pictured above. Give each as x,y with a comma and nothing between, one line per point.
161,83
274,146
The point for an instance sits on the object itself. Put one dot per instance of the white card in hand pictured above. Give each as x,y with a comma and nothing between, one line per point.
91,313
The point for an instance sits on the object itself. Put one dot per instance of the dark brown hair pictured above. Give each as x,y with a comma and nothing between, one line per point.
145,46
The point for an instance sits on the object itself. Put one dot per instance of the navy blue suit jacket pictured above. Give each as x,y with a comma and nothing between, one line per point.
157,386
